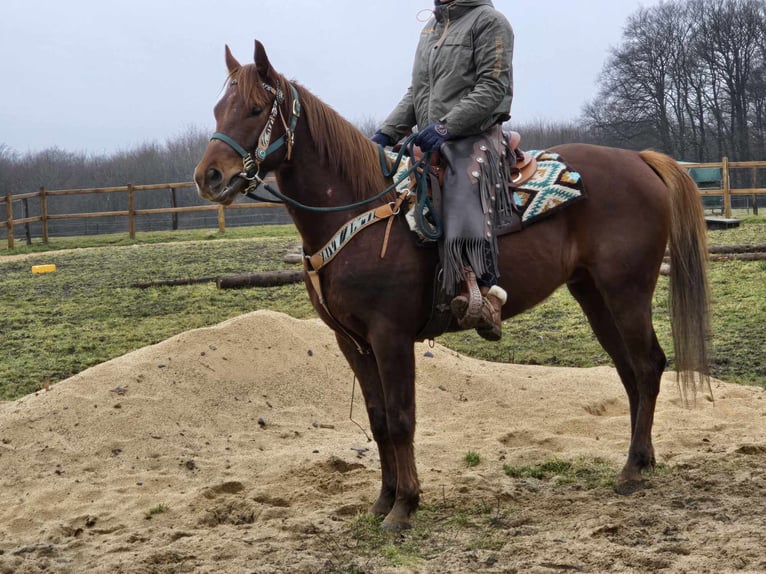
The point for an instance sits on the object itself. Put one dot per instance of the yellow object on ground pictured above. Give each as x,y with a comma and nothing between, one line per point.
43,268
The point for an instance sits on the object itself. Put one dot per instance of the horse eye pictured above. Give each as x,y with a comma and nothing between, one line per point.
256,111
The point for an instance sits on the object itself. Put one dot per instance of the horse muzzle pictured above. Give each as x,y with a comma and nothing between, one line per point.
214,185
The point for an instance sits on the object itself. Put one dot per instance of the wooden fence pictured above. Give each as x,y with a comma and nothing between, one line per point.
724,193
43,217
718,197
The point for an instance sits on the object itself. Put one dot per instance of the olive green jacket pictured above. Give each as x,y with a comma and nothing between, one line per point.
462,75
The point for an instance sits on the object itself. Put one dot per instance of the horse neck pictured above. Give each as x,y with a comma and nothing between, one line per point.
308,179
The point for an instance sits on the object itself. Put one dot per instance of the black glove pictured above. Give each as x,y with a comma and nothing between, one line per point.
381,139
431,138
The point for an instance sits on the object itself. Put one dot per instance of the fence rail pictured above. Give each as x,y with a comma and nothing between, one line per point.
723,192
11,223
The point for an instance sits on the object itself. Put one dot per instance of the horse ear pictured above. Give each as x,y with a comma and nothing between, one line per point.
231,62
262,63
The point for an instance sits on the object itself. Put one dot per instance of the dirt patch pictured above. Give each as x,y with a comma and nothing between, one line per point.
230,449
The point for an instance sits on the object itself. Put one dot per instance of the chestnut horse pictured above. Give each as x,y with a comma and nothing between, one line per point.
607,249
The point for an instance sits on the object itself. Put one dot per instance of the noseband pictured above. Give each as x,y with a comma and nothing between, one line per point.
251,162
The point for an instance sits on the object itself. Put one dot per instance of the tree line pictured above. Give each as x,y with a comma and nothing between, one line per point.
688,78
149,163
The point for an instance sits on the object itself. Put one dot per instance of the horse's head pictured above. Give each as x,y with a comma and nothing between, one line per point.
255,122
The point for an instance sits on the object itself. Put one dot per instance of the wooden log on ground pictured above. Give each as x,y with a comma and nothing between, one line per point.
756,248
292,258
174,282
263,279
738,257
665,267
729,257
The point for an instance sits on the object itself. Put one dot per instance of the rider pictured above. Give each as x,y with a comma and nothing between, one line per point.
462,87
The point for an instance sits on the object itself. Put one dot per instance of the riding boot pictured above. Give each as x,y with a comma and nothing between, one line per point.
488,318
490,325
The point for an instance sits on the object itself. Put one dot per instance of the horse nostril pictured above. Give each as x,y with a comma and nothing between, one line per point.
214,177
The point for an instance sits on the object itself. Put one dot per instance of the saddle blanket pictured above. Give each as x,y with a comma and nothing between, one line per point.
553,187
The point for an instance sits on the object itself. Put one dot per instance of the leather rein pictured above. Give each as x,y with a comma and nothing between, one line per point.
251,162
251,165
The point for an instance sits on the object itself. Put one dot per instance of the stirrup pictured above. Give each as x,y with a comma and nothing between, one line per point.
466,307
491,325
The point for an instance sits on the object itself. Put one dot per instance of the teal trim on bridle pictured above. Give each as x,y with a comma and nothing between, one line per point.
251,162
247,160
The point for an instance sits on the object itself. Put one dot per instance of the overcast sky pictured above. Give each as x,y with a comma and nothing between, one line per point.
104,76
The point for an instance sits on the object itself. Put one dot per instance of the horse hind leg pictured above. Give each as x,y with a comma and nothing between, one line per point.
622,324
365,368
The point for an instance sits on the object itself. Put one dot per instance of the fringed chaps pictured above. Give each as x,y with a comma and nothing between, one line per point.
475,201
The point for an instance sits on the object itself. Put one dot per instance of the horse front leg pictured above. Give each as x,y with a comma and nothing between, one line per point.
365,368
395,357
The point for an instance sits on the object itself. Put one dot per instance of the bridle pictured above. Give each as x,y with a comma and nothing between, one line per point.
251,162
251,165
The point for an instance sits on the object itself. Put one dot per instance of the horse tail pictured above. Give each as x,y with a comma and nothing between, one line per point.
689,291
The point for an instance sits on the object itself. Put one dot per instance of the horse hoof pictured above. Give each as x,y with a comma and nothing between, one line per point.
630,486
395,526
380,509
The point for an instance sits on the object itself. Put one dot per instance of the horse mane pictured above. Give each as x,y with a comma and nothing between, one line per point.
341,146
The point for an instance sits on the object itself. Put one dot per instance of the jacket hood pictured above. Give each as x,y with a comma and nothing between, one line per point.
457,8
472,3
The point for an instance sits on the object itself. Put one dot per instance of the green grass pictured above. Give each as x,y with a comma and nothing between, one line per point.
371,540
55,325
58,324
472,459
557,333
459,524
146,238
587,474
155,510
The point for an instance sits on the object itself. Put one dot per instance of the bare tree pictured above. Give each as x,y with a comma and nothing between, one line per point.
688,79
367,126
636,83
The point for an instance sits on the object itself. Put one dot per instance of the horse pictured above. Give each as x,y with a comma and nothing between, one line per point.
607,249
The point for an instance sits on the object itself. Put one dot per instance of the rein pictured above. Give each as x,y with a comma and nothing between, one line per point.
251,164
348,207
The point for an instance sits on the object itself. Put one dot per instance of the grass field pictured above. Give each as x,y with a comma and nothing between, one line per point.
55,325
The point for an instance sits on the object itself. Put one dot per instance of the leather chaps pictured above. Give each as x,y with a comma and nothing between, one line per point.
475,204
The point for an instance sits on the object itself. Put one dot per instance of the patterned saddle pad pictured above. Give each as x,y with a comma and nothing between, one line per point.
553,187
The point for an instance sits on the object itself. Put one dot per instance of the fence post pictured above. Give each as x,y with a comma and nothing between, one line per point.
754,185
174,204
9,208
726,187
44,213
25,215
131,212
221,220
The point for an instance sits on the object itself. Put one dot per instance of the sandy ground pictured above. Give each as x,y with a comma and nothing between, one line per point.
231,450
